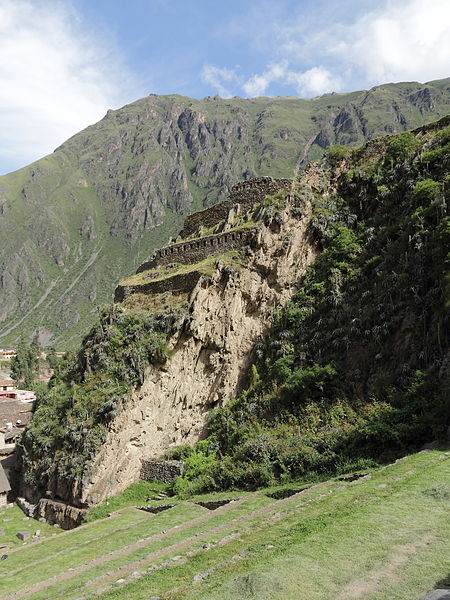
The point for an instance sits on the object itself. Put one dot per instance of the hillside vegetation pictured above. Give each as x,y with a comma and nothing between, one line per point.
356,368
75,222
354,371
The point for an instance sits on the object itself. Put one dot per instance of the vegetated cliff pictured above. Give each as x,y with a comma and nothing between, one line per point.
356,366
112,408
76,221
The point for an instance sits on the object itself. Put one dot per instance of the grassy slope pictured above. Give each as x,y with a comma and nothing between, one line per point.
125,168
382,537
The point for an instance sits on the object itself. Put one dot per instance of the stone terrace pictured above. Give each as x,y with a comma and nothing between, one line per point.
194,251
246,193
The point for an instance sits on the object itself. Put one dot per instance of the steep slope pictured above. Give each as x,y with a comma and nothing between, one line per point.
197,321
356,367
76,221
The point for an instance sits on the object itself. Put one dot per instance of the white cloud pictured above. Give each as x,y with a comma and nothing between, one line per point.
312,82
55,79
216,77
362,45
258,84
398,41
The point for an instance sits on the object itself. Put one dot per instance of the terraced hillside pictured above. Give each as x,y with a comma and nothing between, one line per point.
377,536
75,222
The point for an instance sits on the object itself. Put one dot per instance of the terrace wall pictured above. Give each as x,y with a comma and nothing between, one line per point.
194,251
246,193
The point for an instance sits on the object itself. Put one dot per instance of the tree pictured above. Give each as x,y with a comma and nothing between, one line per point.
25,365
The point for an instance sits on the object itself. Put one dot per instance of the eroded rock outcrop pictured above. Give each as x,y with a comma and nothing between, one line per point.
228,312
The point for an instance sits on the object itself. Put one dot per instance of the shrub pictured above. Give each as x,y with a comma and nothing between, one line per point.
336,154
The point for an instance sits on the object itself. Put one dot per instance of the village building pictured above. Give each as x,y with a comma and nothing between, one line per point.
7,384
4,487
7,353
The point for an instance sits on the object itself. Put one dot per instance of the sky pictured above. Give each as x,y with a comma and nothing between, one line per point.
64,63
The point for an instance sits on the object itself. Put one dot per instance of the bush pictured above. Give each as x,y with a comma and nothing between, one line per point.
401,147
427,192
336,154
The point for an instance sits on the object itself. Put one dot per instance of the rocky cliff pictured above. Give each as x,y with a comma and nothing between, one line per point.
228,312
78,220
224,312
355,364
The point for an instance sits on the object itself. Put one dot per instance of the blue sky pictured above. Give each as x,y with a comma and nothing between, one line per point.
63,63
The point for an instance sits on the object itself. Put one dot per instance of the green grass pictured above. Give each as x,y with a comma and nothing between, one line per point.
206,267
385,537
134,495
364,541
13,520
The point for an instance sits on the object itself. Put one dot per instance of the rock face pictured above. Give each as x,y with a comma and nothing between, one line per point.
88,214
59,513
54,512
229,311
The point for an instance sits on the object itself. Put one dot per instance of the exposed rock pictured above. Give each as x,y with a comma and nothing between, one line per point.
211,354
442,594
23,535
59,513
100,202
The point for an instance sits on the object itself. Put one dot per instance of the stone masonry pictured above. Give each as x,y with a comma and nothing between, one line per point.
246,193
163,470
194,251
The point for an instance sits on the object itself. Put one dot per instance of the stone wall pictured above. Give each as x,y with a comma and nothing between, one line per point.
164,470
183,283
194,251
245,193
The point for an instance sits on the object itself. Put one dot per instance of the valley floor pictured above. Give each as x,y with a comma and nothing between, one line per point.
383,536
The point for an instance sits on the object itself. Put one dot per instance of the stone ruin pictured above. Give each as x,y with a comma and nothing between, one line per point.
194,251
161,470
246,194
191,251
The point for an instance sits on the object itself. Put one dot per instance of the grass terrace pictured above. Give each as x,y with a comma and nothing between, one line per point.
233,258
383,535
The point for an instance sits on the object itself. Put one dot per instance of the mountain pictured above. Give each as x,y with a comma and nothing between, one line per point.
300,326
76,221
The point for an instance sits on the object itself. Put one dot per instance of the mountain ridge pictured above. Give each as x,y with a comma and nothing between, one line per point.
88,214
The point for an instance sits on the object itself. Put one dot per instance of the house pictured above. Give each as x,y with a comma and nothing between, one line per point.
7,384
7,353
4,487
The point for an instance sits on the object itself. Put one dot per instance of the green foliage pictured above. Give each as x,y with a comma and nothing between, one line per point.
401,147
427,191
336,154
87,391
25,365
352,371
198,464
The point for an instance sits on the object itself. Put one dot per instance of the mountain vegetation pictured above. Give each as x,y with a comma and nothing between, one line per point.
76,221
355,369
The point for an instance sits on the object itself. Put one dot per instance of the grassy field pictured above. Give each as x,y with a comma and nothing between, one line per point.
383,536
